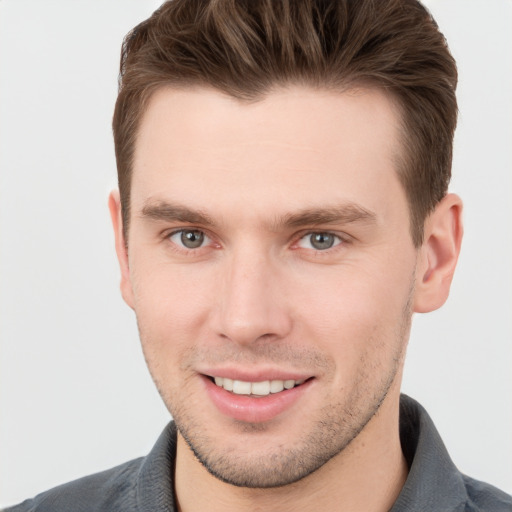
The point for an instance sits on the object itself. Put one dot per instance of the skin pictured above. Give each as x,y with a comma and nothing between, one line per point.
256,295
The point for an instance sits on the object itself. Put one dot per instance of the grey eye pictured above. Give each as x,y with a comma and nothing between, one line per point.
192,239
189,238
319,241
322,241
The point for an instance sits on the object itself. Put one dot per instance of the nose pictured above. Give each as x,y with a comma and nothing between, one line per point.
252,304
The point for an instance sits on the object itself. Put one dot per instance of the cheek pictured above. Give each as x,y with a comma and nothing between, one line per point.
354,313
171,306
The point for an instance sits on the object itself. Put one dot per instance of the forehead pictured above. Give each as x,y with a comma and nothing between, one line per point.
294,147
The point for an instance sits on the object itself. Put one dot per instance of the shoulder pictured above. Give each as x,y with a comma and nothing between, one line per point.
483,497
109,490
145,483
434,482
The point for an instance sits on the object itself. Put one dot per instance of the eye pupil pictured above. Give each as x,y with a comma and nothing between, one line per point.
322,241
192,238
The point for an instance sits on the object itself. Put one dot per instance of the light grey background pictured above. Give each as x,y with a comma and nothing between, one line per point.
75,396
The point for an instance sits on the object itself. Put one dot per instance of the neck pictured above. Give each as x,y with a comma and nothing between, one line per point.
368,475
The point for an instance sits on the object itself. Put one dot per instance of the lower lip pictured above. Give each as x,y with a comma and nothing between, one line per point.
251,409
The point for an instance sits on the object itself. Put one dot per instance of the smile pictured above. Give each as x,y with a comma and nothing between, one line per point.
263,388
256,400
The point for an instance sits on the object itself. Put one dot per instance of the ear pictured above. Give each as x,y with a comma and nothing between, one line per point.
438,254
114,205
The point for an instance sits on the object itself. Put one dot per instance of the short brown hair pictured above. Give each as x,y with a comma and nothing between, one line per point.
244,48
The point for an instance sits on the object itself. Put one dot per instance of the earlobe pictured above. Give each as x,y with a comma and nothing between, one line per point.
114,205
438,254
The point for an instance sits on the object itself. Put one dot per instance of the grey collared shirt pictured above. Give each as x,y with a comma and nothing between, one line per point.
434,483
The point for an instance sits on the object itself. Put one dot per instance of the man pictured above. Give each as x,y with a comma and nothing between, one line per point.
283,211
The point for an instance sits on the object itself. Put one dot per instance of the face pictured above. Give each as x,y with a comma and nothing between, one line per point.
271,269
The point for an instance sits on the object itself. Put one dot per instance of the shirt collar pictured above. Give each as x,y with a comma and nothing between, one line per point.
433,483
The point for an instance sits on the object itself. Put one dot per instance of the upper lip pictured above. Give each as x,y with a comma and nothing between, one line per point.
255,375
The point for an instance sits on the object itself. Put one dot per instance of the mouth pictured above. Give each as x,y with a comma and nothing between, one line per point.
256,389
256,398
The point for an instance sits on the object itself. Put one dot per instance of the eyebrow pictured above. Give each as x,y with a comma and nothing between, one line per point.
169,212
341,214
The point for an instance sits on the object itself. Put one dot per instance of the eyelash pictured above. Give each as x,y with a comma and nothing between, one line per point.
186,250
342,239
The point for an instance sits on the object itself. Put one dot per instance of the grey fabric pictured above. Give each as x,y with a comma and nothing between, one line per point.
434,483
146,485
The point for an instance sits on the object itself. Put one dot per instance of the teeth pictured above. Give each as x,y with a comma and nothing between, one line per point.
276,386
288,384
263,388
260,388
241,388
227,384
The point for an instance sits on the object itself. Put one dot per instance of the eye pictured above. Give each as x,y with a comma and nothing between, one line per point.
319,241
189,238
